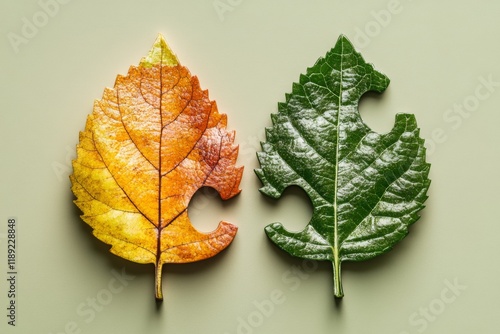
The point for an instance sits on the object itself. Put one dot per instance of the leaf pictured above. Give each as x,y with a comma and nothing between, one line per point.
366,188
150,143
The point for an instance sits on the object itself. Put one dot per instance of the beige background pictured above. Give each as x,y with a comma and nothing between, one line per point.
438,56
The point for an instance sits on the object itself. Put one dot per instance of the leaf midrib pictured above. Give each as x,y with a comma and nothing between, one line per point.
159,227
337,156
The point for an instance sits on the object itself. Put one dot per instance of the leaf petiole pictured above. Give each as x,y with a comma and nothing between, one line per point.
337,278
158,279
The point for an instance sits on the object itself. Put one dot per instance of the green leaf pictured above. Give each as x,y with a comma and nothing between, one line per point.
366,188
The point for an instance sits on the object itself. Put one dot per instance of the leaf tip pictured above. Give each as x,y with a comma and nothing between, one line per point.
344,42
160,53
343,38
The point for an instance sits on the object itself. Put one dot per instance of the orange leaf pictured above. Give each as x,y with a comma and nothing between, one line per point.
150,143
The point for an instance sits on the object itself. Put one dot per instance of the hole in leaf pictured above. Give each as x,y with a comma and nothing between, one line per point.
375,111
205,209
293,209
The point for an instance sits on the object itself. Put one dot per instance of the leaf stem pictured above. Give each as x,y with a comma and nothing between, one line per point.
337,277
158,279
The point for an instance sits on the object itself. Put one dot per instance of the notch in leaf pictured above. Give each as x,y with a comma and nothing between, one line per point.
150,143
366,188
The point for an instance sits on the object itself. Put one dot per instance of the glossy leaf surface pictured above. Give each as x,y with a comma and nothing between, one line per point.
366,188
150,143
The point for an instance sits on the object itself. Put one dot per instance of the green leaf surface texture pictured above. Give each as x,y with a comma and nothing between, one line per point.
366,188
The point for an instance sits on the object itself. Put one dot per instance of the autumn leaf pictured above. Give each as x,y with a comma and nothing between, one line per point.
366,188
150,143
